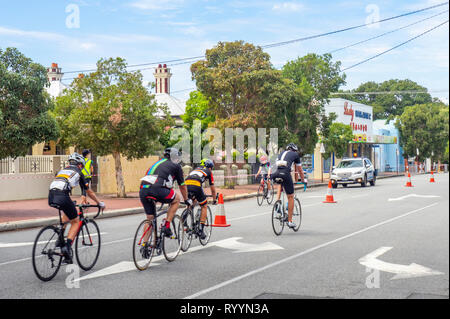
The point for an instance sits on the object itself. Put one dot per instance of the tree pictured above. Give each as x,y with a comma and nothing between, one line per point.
24,104
319,72
389,105
316,77
336,140
197,108
423,127
111,112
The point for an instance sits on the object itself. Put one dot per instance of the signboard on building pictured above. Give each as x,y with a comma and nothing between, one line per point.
358,116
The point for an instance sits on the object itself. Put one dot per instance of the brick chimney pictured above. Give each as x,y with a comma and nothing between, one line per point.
162,79
54,73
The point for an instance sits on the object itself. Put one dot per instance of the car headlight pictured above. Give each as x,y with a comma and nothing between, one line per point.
357,173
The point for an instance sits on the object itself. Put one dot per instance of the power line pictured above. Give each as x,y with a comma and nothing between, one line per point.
351,28
386,33
277,44
389,92
393,48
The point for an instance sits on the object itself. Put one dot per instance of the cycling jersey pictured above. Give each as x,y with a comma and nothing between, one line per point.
286,159
162,174
200,174
283,172
194,183
61,187
68,178
265,168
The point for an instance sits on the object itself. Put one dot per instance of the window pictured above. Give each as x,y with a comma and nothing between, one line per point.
350,164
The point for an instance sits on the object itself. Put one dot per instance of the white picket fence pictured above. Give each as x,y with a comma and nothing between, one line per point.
31,164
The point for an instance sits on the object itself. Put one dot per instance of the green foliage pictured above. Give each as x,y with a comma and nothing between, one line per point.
197,108
111,111
424,127
319,72
388,106
337,140
24,104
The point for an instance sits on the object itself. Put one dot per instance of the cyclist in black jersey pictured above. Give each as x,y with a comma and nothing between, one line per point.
194,183
282,174
59,196
157,186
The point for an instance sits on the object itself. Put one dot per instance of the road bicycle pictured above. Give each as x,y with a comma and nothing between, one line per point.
265,192
191,223
150,240
280,212
47,256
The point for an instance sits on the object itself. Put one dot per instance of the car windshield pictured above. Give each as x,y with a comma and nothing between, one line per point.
349,164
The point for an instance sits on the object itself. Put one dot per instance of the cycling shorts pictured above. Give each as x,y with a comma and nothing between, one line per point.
64,202
197,193
152,194
286,180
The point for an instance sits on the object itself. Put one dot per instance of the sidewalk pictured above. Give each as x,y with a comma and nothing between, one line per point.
36,213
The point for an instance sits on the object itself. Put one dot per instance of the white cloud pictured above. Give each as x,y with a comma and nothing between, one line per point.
157,4
288,7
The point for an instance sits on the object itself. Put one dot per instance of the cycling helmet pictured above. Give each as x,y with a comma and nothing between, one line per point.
263,159
207,163
292,147
173,154
76,159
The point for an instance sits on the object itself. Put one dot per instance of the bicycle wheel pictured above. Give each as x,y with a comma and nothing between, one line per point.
46,256
87,244
270,193
208,228
277,218
188,224
172,245
297,214
260,195
143,244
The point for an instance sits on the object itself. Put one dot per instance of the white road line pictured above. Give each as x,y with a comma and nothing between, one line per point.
256,271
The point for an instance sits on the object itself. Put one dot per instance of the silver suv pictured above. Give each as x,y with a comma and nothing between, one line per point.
353,171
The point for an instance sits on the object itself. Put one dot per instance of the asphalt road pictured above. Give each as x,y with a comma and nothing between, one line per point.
334,255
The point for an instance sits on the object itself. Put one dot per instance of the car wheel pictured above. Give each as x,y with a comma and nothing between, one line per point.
364,183
344,185
334,185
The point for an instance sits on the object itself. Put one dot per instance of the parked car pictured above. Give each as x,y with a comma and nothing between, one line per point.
353,171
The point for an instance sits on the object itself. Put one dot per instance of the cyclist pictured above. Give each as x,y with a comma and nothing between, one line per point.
157,186
264,168
59,195
283,174
194,183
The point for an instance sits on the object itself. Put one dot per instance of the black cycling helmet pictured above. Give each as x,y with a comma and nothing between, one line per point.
292,147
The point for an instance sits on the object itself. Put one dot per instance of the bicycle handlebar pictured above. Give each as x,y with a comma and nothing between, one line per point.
301,183
82,206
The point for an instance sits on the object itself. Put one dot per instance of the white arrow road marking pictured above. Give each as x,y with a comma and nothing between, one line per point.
229,243
400,271
12,245
411,195
234,244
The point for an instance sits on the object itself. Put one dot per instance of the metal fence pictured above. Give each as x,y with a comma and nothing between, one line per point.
31,164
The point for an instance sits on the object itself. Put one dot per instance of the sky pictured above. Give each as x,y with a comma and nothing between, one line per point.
77,33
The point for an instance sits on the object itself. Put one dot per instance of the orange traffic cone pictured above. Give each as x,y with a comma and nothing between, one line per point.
408,183
432,178
329,198
221,220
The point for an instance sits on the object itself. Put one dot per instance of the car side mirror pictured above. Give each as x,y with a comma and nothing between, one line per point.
334,167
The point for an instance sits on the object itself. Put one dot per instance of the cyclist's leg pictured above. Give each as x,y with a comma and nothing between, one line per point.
289,189
148,202
174,200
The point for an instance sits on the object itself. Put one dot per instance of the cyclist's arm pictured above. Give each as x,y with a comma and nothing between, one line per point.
183,190
300,170
213,192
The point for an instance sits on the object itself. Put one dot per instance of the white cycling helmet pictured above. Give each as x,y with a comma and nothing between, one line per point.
77,158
